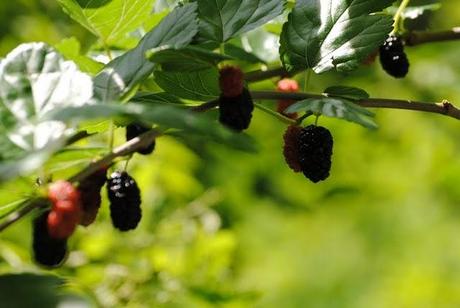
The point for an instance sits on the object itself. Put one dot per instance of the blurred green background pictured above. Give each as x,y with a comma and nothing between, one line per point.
223,228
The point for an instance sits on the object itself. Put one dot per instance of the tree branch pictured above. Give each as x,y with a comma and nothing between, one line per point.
421,37
444,108
29,205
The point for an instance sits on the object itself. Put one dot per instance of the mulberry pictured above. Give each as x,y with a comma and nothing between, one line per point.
231,81
90,192
236,112
287,85
47,250
65,211
291,147
135,129
315,152
393,58
125,201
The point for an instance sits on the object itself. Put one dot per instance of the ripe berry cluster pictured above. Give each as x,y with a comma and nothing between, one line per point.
287,86
309,150
393,58
71,206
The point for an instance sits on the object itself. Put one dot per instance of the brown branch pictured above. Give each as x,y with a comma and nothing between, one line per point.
28,207
444,108
421,37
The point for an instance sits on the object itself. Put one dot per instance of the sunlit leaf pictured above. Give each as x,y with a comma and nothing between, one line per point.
328,34
122,74
336,108
109,20
70,49
221,20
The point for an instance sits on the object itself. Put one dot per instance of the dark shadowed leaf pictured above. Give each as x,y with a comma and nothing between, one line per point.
351,93
186,59
199,86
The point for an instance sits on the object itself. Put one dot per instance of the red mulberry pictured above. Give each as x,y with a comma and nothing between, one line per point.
135,129
125,201
392,57
48,251
291,147
90,192
231,81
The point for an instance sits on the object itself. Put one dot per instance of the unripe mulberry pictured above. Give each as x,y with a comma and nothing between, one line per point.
62,191
125,200
231,81
236,112
47,251
393,58
315,152
287,85
135,129
61,225
291,147
90,194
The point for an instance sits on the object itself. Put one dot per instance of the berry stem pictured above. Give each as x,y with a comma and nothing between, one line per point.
316,119
307,80
398,25
275,114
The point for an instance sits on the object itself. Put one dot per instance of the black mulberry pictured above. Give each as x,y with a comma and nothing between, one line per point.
393,58
315,152
135,129
47,251
125,200
90,195
236,112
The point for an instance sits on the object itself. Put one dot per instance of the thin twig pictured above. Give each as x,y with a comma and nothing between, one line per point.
421,37
29,205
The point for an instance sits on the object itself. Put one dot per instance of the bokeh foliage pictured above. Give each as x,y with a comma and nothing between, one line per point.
226,228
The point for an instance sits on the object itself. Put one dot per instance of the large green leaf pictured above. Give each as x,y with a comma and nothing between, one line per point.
327,34
221,20
351,93
123,73
167,116
70,49
336,108
199,86
35,79
108,20
186,59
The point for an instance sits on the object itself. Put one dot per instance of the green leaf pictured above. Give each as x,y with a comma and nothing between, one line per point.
186,59
35,79
122,74
327,34
165,115
26,290
336,108
351,93
413,12
108,20
70,49
240,54
221,20
156,98
198,86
